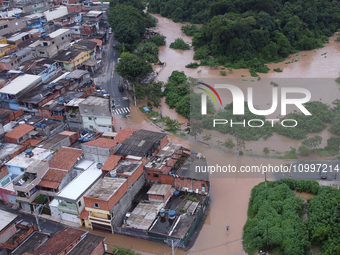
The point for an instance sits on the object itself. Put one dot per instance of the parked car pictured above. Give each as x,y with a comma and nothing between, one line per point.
113,103
120,88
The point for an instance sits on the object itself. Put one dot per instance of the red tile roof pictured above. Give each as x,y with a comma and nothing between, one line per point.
52,178
58,243
99,42
19,131
123,134
102,142
111,162
84,215
65,158
68,133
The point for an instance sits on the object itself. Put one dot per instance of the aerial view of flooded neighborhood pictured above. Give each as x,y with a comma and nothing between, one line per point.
169,127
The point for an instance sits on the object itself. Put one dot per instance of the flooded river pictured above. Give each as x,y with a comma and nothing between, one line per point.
230,196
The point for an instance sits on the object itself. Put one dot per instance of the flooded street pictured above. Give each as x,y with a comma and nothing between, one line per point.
230,196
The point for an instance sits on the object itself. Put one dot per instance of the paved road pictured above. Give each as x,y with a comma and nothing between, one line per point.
46,226
110,78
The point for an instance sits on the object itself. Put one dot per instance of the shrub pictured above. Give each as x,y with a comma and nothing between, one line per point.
304,151
278,69
192,65
223,73
190,29
159,40
179,44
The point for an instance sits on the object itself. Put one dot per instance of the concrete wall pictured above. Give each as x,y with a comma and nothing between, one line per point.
68,178
69,217
25,206
96,154
7,233
124,204
97,123
100,249
14,170
60,42
12,26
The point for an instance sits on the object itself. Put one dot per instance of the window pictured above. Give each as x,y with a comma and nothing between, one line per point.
62,38
45,44
149,174
91,126
90,118
5,26
41,52
79,203
155,175
52,42
96,205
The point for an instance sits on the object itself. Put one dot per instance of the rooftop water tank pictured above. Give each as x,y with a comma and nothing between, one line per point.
61,100
172,214
89,82
38,124
162,212
28,152
176,193
67,77
80,139
43,125
85,139
99,165
113,173
8,74
22,73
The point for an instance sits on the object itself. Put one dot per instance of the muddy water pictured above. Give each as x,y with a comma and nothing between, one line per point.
305,64
230,196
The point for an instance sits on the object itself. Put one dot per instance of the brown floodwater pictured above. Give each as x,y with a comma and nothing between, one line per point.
319,63
230,196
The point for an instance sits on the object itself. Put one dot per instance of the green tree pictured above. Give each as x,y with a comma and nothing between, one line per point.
266,150
140,92
195,128
207,137
127,22
312,142
133,68
228,143
304,151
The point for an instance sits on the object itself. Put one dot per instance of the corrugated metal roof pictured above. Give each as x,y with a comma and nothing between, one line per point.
6,218
78,186
20,83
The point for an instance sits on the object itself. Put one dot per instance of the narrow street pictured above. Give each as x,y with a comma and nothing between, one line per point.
109,79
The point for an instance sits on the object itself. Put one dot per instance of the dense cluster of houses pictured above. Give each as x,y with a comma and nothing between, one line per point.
132,182
59,152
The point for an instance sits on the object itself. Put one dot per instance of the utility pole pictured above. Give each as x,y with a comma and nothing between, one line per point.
36,217
134,92
172,247
265,185
162,119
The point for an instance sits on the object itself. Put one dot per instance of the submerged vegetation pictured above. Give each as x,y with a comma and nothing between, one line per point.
241,33
287,232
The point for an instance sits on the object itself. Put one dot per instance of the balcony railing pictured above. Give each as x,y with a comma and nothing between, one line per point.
28,199
25,186
102,221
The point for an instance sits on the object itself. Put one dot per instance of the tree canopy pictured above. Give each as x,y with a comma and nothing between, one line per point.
244,30
133,68
127,22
